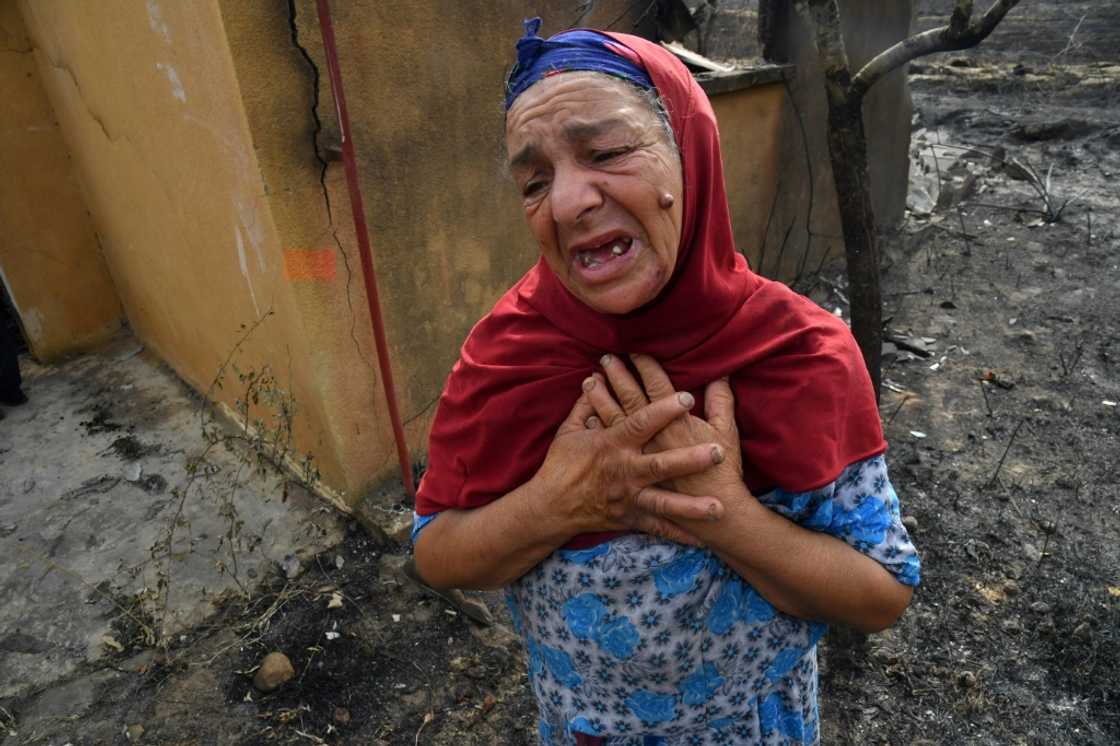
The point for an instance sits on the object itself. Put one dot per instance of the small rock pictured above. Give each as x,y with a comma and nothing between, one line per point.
341,715
339,561
911,523
1010,588
291,566
1083,631
275,671
459,664
134,732
1040,607
1011,626
1046,626
132,472
966,679
488,703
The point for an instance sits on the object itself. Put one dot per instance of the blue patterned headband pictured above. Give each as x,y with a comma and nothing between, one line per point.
567,51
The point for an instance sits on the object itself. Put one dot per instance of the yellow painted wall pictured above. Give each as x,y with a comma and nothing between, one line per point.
50,261
192,131
423,85
146,97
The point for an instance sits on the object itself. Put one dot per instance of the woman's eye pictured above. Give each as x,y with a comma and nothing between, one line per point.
532,188
602,156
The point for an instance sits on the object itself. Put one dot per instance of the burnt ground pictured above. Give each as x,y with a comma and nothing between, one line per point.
1005,451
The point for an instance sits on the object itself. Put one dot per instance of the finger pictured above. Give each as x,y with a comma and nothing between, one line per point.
643,425
678,462
602,401
626,388
654,378
654,526
719,407
581,410
674,506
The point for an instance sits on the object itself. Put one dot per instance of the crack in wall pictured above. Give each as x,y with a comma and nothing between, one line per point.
64,68
315,132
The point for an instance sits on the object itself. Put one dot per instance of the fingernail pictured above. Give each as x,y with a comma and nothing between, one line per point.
717,455
686,400
713,513
605,360
588,383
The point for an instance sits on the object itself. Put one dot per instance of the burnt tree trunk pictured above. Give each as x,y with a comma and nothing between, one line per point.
847,146
847,139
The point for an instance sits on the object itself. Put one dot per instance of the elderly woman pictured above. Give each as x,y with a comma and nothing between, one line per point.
672,464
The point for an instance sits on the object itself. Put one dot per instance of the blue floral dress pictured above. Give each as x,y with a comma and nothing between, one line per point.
645,641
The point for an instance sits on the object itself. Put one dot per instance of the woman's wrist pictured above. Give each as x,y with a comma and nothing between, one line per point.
544,510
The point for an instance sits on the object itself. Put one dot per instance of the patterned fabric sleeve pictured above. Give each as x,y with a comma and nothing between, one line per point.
419,522
861,508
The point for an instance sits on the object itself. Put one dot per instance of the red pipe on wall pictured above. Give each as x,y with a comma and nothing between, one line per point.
331,51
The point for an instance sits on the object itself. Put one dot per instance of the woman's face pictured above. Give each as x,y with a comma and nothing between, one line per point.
593,166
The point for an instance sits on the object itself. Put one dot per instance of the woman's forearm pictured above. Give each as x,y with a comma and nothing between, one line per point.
804,573
490,546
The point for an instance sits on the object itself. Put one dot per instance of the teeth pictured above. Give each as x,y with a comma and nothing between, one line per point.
617,249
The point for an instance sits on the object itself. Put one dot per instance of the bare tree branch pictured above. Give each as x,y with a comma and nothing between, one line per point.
961,33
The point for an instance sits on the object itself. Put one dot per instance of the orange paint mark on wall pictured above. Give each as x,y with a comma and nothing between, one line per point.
309,264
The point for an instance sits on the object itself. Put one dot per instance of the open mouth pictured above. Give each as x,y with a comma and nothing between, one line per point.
607,252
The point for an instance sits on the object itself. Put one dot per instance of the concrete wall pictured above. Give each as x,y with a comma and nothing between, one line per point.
194,133
147,100
50,261
423,86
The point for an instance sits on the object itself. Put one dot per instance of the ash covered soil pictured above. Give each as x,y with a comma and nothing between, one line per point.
999,405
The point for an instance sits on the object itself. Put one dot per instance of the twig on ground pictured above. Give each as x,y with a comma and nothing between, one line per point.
1070,44
898,409
984,391
427,719
995,475
1070,364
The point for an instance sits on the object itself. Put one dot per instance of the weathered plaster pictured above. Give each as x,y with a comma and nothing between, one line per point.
202,134
447,231
49,256
148,101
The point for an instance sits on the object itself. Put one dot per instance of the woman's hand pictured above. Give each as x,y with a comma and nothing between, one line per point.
602,480
722,478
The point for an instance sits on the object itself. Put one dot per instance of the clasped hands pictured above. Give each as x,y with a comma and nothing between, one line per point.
638,460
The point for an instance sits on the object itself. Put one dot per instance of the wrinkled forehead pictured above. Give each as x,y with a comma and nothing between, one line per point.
577,106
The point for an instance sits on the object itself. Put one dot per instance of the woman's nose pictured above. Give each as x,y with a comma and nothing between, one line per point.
575,194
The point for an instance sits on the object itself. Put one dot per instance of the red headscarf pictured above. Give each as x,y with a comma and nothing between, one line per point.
804,403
